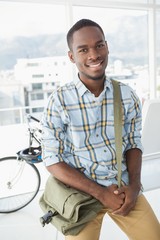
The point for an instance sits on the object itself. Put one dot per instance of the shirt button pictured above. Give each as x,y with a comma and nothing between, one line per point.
105,150
97,135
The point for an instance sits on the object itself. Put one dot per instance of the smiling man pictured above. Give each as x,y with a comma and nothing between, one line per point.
90,53
78,142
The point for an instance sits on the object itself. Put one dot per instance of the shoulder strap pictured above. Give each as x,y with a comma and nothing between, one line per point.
118,126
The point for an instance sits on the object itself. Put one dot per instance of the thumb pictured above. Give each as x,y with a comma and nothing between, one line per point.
118,191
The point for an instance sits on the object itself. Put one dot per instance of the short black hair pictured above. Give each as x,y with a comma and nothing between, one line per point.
78,25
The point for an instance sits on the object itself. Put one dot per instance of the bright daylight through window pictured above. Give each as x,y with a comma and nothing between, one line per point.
33,51
126,34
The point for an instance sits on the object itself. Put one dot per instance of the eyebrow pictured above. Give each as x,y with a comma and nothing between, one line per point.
84,46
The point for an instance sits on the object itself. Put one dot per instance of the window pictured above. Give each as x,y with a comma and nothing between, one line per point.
32,64
36,86
33,45
48,94
16,98
37,96
29,31
158,52
38,109
38,76
126,34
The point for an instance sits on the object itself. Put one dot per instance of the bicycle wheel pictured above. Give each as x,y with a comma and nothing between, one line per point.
19,184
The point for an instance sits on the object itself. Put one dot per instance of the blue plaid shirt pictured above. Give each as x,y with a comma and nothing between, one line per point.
78,128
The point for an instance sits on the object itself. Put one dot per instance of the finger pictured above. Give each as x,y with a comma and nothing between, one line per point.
121,211
124,210
114,186
119,191
122,196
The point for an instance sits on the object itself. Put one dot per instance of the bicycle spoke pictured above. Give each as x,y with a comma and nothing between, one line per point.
19,184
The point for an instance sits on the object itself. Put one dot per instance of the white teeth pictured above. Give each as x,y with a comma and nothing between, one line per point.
94,65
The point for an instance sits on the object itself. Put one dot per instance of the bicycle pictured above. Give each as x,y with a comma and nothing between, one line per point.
19,178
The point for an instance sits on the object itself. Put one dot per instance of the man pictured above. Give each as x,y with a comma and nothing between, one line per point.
79,143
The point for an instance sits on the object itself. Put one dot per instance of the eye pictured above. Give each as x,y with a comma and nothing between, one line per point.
101,45
83,50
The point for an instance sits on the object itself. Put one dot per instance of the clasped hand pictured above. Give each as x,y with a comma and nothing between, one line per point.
119,200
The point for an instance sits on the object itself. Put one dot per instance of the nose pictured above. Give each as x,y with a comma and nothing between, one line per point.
93,54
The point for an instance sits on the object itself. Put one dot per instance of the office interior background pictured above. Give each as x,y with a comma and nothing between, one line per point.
33,49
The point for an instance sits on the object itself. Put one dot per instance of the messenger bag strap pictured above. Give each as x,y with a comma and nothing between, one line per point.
118,126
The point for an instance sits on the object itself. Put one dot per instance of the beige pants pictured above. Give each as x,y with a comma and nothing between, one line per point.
139,224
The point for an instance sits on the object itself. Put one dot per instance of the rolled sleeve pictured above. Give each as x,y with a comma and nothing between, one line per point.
52,134
133,124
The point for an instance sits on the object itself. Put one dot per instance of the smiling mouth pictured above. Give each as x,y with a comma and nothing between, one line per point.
95,65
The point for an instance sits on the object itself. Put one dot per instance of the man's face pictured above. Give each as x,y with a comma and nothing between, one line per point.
90,53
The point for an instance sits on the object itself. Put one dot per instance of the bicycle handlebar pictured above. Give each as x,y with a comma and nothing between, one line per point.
31,117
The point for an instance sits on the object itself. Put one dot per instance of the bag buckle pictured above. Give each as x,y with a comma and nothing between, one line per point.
45,219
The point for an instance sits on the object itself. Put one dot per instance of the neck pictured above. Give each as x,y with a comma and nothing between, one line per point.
94,86
97,91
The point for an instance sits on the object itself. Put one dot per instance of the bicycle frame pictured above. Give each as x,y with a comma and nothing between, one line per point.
31,154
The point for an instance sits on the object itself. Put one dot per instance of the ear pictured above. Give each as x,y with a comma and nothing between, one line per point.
71,57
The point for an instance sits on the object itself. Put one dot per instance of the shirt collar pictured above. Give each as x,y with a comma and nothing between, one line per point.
82,88
108,84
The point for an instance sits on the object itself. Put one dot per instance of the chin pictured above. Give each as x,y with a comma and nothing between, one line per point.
98,77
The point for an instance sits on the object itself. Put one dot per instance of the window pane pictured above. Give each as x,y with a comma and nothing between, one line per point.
36,86
30,30
126,34
158,51
32,39
35,110
37,96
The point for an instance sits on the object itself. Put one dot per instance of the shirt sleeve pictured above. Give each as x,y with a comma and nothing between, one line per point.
53,132
133,122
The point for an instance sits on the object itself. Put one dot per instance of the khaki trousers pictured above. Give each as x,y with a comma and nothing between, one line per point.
140,224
